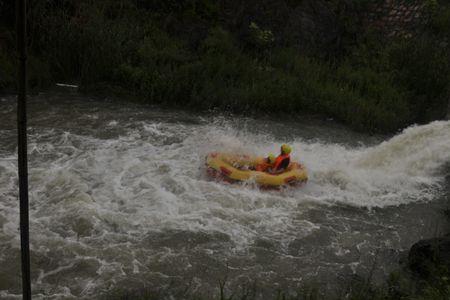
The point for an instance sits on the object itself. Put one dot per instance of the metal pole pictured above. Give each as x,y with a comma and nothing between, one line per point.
22,147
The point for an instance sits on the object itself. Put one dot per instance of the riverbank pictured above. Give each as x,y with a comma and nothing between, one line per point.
284,57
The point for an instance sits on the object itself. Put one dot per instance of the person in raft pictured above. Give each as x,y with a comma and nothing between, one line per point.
279,164
267,164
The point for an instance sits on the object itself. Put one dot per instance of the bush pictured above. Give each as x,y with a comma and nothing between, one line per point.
185,53
423,68
38,71
7,71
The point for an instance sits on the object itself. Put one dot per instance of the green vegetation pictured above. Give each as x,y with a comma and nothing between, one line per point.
241,56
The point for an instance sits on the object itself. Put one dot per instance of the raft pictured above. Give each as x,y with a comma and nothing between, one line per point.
231,168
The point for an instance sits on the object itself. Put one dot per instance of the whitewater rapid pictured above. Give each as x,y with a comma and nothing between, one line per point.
119,194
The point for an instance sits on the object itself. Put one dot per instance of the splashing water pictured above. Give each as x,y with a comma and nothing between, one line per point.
119,197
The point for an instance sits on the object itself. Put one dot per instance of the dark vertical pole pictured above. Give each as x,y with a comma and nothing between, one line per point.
22,146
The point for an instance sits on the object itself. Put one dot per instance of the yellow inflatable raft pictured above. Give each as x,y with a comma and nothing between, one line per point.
230,168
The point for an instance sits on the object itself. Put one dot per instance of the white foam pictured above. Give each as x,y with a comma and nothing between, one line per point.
400,170
164,185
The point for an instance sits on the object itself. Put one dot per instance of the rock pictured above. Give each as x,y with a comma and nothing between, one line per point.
426,255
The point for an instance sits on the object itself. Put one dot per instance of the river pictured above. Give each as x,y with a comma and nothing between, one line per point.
119,199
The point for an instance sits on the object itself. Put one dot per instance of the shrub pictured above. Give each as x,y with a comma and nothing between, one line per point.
7,71
192,56
423,69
